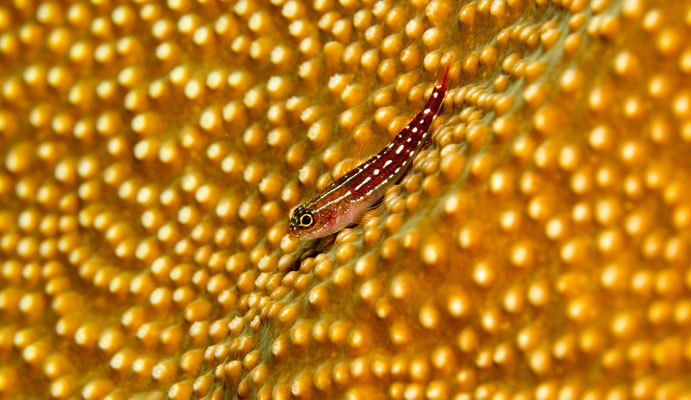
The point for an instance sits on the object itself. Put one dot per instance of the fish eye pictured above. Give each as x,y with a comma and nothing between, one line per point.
306,220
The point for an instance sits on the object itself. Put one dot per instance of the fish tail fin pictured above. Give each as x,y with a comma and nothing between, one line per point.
442,78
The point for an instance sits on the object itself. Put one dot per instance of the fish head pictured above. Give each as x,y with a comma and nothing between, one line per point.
306,223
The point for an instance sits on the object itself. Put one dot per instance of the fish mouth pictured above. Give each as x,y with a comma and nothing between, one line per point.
293,234
294,237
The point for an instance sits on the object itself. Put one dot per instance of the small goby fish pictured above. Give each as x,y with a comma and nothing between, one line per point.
346,199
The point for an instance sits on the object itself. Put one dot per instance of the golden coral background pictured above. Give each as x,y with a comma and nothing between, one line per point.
151,153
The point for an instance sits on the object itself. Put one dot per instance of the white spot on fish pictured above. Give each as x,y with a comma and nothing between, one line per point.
376,171
400,149
386,164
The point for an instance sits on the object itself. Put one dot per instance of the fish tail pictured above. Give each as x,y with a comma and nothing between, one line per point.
437,98
441,80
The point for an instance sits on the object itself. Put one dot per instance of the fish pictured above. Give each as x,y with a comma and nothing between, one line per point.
345,200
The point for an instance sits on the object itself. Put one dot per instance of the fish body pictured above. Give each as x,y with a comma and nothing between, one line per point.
346,199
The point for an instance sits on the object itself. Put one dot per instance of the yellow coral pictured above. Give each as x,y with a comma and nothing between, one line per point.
151,152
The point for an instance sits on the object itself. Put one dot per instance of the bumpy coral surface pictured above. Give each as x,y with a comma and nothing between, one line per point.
151,152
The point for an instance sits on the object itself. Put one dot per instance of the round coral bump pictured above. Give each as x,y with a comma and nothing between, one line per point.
434,252
199,207
63,387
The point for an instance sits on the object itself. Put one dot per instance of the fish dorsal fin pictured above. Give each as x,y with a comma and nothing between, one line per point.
360,151
347,165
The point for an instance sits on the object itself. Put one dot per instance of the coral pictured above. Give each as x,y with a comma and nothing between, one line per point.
151,152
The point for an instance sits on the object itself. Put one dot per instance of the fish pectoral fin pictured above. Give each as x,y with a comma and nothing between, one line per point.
376,210
376,204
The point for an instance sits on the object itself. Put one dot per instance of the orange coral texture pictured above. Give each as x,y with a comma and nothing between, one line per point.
151,152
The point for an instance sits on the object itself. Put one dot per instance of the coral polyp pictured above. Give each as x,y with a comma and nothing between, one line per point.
151,153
